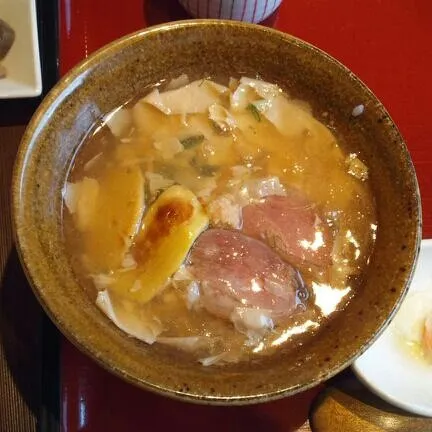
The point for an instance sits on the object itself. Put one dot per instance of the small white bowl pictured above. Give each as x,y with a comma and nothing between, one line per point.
253,11
22,62
388,368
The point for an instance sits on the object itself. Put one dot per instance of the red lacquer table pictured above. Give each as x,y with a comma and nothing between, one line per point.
387,43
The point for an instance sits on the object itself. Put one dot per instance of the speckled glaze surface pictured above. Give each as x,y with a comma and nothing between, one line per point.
127,68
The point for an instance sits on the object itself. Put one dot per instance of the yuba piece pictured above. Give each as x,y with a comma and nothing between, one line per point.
108,212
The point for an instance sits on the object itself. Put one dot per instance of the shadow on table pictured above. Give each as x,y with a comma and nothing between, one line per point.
160,11
17,111
25,330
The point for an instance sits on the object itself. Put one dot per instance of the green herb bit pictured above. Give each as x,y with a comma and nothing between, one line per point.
192,141
254,111
208,170
158,192
220,130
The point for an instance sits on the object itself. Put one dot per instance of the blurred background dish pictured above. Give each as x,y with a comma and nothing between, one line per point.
253,11
398,366
20,67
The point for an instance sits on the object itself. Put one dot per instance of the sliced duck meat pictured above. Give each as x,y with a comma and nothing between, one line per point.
292,227
238,273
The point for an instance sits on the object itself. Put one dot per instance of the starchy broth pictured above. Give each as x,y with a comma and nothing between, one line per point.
224,221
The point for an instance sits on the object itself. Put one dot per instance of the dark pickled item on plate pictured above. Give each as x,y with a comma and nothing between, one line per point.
7,38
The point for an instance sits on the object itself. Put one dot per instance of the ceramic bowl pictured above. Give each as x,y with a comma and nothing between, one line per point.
127,68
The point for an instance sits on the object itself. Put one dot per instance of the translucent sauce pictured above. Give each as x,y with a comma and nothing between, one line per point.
223,221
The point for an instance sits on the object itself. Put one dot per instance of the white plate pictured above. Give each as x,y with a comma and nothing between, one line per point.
389,369
22,62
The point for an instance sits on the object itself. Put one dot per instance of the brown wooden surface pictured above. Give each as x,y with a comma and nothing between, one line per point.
20,315
347,406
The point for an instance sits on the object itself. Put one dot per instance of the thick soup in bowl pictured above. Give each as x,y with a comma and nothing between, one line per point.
218,218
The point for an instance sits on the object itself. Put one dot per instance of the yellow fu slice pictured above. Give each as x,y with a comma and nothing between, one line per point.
108,212
169,229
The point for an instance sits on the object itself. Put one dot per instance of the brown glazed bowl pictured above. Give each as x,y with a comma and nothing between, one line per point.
126,68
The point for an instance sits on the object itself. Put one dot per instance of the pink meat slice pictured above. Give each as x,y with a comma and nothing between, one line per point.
292,227
236,271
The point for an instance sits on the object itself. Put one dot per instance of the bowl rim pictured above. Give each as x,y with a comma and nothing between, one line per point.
65,86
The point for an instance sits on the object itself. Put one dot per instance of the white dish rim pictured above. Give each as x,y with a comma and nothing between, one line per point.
379,391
